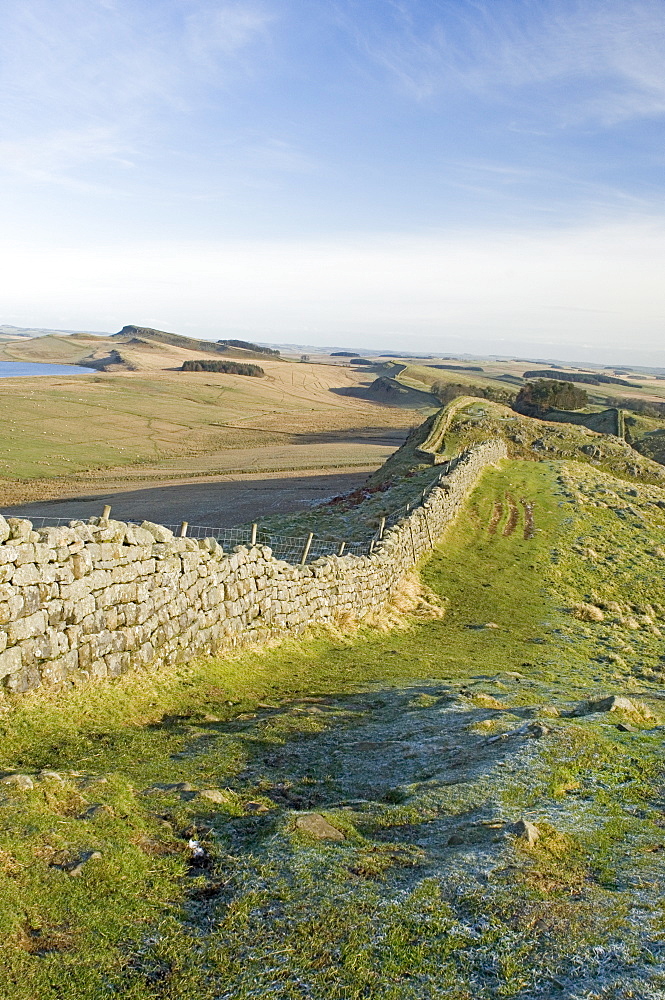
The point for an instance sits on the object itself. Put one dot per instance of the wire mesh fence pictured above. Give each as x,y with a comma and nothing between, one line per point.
289,548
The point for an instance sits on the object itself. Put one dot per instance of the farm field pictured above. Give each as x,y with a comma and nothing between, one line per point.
58,434
419,743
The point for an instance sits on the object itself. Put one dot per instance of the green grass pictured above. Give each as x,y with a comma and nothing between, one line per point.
391,735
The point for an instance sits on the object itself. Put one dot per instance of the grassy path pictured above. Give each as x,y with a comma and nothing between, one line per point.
419,746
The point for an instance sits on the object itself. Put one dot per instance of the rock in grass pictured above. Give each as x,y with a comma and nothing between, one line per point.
213,795
76,869
256,807
549,711
96,810
22,781
615,703
316,826
537,729
525,831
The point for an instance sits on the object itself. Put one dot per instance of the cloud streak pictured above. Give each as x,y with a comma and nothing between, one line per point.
605,56
95,79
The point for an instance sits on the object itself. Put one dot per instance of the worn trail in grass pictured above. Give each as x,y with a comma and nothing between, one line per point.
420,746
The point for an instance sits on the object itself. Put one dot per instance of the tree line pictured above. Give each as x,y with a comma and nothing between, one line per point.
227,367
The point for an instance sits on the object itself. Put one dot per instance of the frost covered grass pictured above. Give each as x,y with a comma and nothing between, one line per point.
420,746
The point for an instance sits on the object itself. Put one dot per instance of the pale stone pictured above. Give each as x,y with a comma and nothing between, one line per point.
213,795
22,781
158,531
316,826
525,831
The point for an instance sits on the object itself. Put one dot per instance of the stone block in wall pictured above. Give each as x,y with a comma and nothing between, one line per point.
32,601
158,531
86,656
57,671
25,679
118,593
135,535
9,553
26,628
78,590
81,564
117,663
40,647
21,530
46,573
124,574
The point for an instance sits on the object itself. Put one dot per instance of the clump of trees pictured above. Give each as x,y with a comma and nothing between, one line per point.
536,398
227,367
588,379
645,407
246,345
447,391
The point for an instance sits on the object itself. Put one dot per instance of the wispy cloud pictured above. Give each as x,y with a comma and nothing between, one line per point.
94,80
602,59
52,157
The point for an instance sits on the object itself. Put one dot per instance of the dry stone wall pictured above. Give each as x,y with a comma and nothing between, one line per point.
98,598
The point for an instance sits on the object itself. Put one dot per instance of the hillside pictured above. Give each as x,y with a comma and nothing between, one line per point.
9,332
65,435
392,392
466,420
134,348
481,787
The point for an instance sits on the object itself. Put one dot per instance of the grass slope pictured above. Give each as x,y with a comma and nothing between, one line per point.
69,426
415,744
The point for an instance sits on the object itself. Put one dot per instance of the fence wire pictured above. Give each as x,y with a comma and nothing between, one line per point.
288,548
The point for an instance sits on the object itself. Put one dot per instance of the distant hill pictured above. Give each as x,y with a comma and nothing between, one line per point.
8,332
584,377
390,391
228,348
246,345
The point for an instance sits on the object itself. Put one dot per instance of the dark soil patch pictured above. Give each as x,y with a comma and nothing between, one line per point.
513,517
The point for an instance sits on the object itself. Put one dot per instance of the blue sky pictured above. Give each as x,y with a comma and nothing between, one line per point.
445,174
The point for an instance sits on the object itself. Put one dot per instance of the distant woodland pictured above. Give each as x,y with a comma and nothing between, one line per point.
227,367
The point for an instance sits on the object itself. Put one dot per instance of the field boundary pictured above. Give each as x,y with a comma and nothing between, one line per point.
86,601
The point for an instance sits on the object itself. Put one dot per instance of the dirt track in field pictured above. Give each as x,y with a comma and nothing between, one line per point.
219,503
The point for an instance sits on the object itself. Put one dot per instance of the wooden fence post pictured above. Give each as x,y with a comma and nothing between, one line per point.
342,546
305,551
254,530
371,545
183,528
382,527
106,513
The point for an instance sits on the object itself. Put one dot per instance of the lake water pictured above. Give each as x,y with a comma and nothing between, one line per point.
12,369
